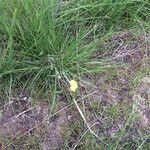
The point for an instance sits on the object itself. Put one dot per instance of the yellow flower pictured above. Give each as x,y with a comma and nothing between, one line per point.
73,85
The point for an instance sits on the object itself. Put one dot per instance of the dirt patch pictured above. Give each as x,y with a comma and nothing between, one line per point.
113,93
19,118
141,101
130,52
126,47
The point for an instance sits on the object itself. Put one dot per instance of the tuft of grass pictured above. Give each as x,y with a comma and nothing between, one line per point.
37,47
45,40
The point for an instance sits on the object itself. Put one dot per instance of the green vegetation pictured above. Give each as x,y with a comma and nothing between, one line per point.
46,43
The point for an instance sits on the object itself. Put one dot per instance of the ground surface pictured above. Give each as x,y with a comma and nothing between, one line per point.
103,45
109,105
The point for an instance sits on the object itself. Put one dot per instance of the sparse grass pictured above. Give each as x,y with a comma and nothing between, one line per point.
46,43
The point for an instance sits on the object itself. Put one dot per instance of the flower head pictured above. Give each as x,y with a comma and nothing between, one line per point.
73,85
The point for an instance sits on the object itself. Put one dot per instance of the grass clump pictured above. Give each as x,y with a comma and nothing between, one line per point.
37,46
43,39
